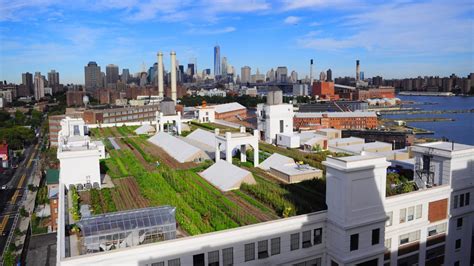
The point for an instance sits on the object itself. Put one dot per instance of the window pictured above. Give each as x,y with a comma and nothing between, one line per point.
295,241
318,236
333,263
410,237
467,198
437,229
76,130
457,244
455,202
411,213
306,239
275,246
174,262
161,263
403,214
418,211
459,223
461,200
228,256
456,263
263,249
213,258
375,236
249,251
389,221
354,242
198,260
281,126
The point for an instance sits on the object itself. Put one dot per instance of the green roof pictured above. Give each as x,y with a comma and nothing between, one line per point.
52,176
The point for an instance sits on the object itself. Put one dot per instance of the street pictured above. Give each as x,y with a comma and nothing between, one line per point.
11,197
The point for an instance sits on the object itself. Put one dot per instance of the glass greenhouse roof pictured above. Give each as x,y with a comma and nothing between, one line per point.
130,220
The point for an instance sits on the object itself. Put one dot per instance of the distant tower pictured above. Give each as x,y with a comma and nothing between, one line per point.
217,60
322,76
160,75
92,76
329,75
357,70
173,76
311,72
245,74
39,86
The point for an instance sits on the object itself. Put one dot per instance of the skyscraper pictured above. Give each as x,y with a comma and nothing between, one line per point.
92,76
281,74
322,76
329,75
39,86
245,74
294,76
217,60
111,73
191,70
125,75
53,78
362,75
224,67
27,80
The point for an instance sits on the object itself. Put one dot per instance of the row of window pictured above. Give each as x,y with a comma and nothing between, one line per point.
199,260
139,110
354,244
461,200
275,245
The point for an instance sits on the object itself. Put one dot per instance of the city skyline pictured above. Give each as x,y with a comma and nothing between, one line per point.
289,34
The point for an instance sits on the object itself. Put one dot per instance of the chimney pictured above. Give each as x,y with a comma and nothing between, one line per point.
311,73
357,70
173,76
160,74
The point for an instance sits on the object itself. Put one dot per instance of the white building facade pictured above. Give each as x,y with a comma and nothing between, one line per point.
361,226
274,117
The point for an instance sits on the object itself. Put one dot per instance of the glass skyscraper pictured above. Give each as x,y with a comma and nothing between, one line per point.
217,60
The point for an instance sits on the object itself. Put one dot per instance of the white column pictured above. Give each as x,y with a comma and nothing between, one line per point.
178,123
217,144
256,161
228,147
160,74
173,76
243,155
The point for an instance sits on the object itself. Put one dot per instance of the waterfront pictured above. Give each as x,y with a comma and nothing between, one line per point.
460,130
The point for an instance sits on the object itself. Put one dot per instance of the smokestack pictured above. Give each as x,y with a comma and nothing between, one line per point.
173,76
311,73
160,74
357,70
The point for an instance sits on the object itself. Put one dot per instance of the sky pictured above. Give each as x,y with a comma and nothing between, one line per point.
394,39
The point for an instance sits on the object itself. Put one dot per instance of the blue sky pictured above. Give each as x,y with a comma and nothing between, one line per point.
391,38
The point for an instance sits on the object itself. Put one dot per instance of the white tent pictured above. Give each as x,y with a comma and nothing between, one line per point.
226,176
275,160
145,129
177,148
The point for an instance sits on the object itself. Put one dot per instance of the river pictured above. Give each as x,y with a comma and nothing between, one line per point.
461,130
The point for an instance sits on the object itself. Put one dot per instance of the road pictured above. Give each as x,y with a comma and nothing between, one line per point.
10,198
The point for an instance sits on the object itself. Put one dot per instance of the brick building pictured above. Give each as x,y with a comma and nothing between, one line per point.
230,111
52,182
74,98
338,120
117,115
380,92
324,90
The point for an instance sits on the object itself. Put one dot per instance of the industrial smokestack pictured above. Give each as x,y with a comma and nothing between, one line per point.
173,76
311,73
357,70
160,75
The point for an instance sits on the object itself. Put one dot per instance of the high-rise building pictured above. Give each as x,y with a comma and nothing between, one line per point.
92,77
271,75
190,71
125,75
39,86
27,80
224,67
112,74
217,60
294,76
329,75
362,75
322,76
281,74
245,74
53,78
377,81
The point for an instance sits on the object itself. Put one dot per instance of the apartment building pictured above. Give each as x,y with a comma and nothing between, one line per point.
431,225
338,120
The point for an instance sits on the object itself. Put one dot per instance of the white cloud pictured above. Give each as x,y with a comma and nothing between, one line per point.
414,33
313,4
211,31
292,20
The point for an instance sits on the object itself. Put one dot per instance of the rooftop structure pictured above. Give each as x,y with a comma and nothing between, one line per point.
226,176
124,229
177,148
355,149
145,129
237,139
345,142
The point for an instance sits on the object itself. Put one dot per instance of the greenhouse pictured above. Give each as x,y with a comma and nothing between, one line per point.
127,228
